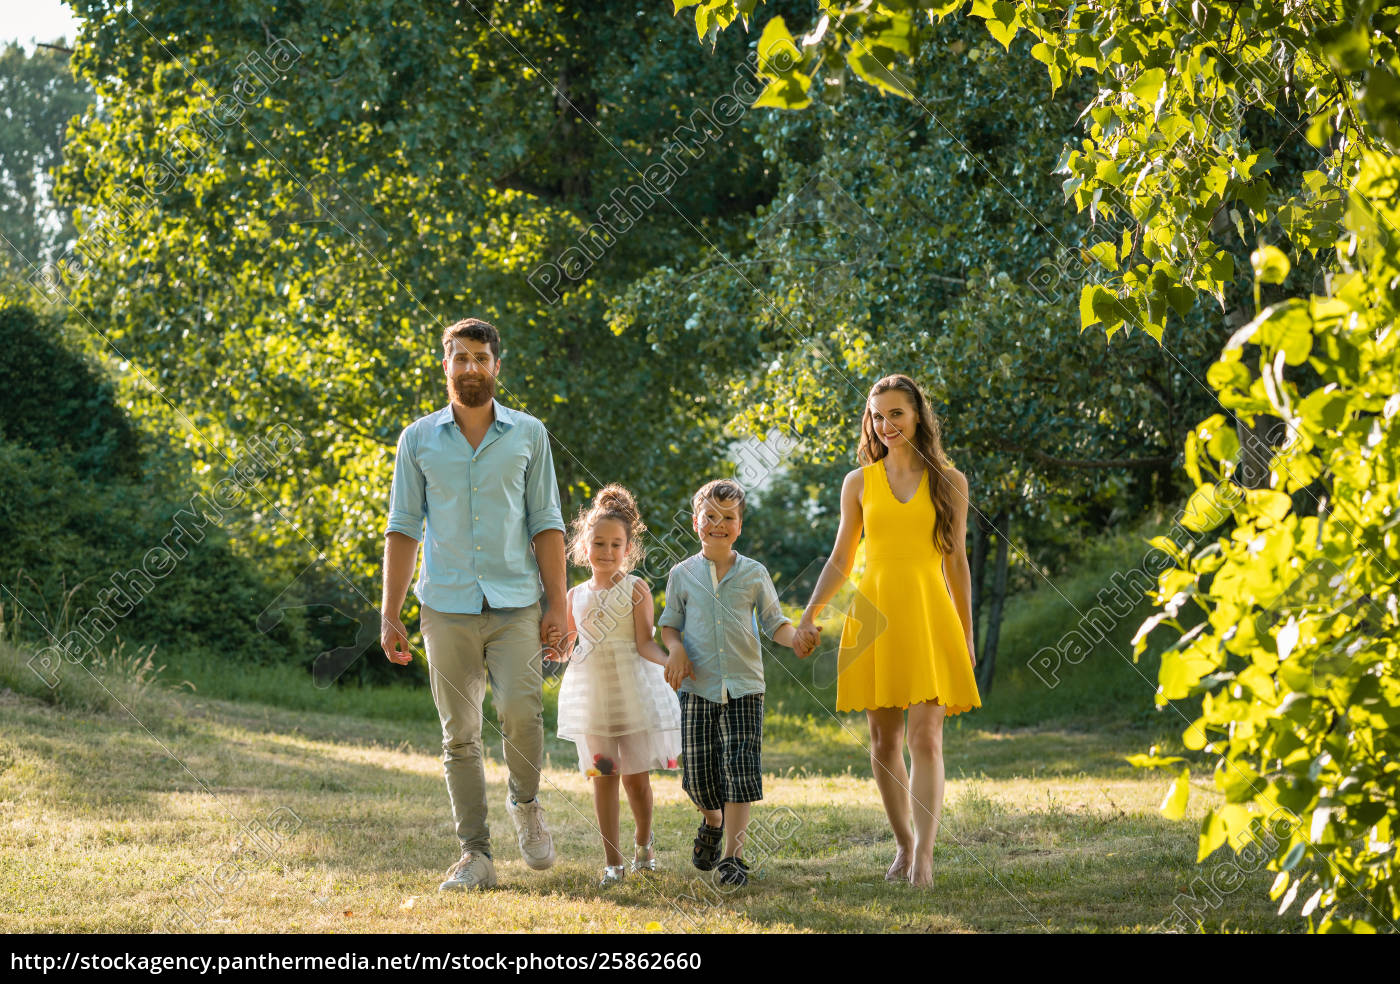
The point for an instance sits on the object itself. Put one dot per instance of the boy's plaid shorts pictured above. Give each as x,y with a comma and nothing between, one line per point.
722,750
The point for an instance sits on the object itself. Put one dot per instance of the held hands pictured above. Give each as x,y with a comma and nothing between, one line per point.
561,651
552,632
808,635
393,639
678,667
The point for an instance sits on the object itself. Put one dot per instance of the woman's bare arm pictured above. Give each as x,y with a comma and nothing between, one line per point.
843,552
959,573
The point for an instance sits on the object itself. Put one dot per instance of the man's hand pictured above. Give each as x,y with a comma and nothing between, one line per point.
553,626
393,639
678,667
808,635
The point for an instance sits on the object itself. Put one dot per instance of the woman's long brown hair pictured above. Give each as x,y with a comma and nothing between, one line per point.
928,444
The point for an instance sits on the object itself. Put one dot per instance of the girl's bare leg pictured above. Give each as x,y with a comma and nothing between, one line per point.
887,762
926,785
606,806
638,789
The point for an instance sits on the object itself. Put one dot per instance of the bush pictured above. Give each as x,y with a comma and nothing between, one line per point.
70,541
56,403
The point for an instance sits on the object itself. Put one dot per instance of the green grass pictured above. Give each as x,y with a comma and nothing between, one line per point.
115,819
121,797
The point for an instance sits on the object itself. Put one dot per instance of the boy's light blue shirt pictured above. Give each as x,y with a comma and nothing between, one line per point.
719,624
482,508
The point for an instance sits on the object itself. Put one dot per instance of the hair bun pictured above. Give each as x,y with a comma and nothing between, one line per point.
616,498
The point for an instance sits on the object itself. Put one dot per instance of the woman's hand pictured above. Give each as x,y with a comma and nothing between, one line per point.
971,652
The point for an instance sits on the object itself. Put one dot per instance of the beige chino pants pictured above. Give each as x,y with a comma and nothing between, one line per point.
464,652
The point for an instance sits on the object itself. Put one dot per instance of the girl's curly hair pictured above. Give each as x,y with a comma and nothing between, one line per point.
613,501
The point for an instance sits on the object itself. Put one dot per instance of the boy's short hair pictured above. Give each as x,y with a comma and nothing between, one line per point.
721,490
477,331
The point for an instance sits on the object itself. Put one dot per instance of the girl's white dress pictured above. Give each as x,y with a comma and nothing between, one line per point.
613,704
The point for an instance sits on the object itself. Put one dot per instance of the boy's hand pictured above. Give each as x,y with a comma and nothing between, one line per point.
808,635
678,667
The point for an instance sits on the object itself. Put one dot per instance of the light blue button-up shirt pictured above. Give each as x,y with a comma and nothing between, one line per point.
482,507
718,622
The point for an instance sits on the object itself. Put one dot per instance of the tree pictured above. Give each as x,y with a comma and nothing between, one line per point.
1296,661
281,205
891,246
40,95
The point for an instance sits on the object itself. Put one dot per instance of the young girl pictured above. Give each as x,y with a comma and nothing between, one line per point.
614,702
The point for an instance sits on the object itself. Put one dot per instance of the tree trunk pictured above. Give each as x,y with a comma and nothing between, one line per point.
979,569
1257,447
987,647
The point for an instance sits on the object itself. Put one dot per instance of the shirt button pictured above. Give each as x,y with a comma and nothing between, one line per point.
475,518
473,488
478,548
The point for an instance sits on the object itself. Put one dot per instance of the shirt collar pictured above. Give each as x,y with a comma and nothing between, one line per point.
505,416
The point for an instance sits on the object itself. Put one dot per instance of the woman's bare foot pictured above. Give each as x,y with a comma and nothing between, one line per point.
899,870
921,872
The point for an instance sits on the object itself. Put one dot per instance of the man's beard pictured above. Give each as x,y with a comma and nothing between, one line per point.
473,392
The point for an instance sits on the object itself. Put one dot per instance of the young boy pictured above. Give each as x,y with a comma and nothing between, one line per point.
710,630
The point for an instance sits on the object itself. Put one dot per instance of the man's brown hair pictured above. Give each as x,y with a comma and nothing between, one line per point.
476,330
721,490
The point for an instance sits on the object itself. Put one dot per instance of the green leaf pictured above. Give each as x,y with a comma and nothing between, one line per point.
1174,804
1270,264
778,53
1148,85
1181,298
1152,761
1106,253
784,94
868,67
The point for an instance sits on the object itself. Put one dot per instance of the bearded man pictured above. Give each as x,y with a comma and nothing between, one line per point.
474,481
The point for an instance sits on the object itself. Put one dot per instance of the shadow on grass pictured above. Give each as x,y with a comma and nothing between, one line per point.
380,820
840,744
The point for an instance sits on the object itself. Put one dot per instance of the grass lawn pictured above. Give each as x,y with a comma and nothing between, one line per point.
111,824
132,822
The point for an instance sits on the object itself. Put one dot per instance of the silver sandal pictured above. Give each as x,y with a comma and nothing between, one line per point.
612,875
644,858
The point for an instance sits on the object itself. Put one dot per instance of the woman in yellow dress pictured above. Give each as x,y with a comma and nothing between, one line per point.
907,638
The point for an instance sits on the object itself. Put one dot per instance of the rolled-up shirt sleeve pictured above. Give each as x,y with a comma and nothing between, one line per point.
770,612
407,497
542,510
673,612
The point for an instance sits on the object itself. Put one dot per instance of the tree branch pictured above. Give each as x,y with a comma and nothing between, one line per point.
1152,461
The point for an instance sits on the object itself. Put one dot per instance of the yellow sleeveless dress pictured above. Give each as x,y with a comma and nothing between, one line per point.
902,642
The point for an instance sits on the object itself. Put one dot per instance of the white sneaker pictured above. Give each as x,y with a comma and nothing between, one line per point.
536,846
472,870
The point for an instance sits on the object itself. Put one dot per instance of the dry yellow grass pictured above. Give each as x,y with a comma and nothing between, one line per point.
110,824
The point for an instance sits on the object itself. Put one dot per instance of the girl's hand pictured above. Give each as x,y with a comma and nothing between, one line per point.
562,650
678,667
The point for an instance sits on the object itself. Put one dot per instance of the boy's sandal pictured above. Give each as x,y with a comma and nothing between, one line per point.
733,871
707,846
